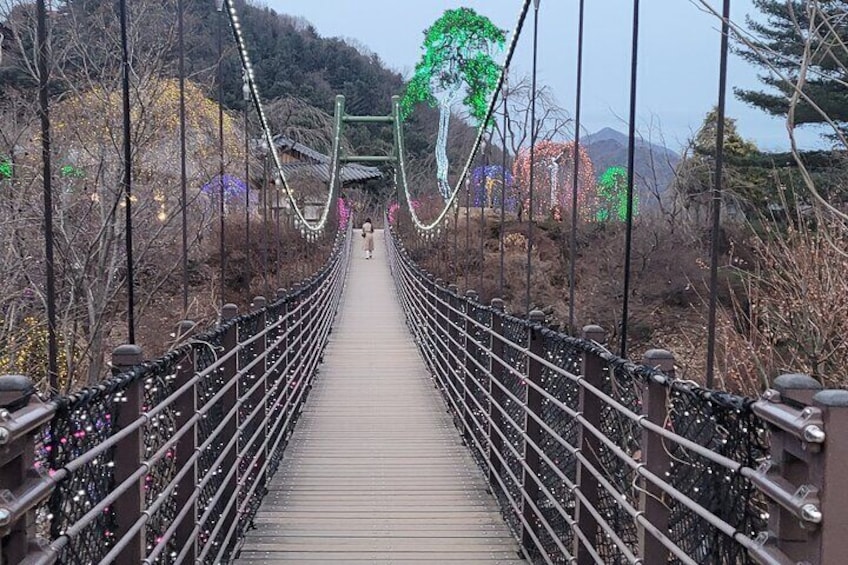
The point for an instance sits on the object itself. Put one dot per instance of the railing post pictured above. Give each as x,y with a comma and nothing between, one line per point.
228,402
787,468
17,474
186,407
468,372
128,454
827,473
589,406
454,353
532,430
440,331
655,457
260,395
496,371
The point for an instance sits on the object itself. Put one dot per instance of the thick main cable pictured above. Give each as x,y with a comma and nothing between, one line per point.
301,221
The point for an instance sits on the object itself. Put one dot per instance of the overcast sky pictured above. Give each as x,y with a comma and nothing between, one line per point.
678,56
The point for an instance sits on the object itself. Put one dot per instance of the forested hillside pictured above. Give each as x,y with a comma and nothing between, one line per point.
289,58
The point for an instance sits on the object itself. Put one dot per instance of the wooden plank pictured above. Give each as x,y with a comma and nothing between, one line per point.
375,471
381,558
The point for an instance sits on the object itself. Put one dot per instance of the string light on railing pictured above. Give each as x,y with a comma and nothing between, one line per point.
269,138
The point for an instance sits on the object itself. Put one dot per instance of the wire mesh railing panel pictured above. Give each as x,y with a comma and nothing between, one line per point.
252,418
572,442
210,466
516,333
158,385
477,345
83,423
626,434
725,425
118,454
559,438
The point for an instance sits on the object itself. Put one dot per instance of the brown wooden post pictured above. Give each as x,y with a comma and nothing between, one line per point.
532,431
128,454
228,401
454,352
796,390
440,330
496,369
282,373
655,457
468,372
260,395
186,408
827,473
590,407
17,527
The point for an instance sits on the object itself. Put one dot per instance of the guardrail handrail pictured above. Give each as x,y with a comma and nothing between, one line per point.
596,459
166,461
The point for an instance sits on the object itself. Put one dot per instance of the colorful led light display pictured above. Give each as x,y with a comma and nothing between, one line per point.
458,51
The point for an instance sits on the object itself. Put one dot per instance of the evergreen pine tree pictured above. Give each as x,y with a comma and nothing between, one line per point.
781,36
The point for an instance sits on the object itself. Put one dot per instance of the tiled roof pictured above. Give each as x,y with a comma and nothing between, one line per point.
320,167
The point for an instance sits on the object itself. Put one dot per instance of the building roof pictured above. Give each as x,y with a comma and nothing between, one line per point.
319,167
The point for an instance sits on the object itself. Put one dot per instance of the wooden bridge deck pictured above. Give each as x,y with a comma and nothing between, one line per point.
375,471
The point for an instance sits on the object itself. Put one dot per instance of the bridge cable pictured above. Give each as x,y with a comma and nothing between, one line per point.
503,189
47,180
572,278
465,256
265,224
477,140
716,211
305,225
127,175
533,133
628,241
220,78
483,202
183,170
246,100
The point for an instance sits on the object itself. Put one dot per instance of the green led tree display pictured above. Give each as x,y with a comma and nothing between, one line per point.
5,168
458,50
612,196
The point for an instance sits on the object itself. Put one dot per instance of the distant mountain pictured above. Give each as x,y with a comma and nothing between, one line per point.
653,164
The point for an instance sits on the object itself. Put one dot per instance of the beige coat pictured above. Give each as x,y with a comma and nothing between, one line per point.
368,240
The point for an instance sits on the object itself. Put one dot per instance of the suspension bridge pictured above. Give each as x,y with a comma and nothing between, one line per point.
374,413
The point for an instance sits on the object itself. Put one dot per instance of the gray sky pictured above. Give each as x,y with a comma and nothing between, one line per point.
678,56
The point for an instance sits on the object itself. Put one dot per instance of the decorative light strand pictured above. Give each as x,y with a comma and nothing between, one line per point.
305,225
481,130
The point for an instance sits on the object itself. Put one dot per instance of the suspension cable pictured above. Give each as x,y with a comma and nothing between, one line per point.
516,32
628,240
305,225
572,260
533,131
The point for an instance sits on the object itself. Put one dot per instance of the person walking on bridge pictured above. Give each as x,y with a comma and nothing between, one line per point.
368,238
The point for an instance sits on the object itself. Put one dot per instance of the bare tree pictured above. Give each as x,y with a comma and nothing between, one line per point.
89,228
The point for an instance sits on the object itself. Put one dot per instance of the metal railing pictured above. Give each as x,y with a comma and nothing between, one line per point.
594,459
166,461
